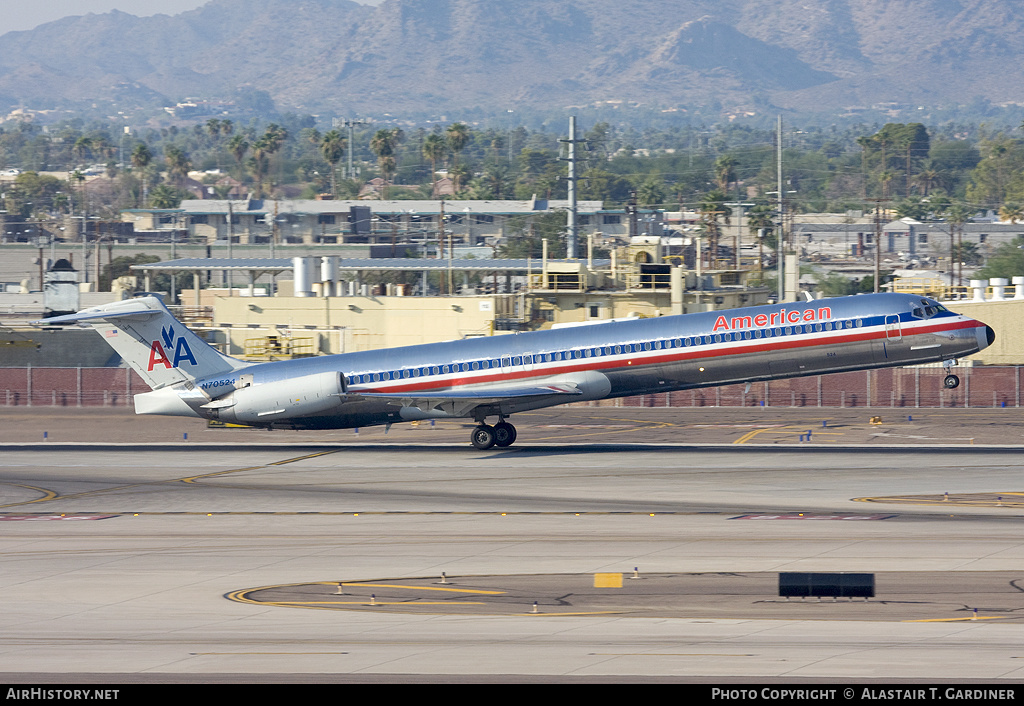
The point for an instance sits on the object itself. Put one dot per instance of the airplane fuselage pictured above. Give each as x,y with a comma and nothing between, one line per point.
586,363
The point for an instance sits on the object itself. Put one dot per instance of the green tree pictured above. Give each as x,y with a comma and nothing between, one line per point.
238,145
1011,212
725,172
384,143
603,185
165,196
651,192
993,180
834,284
434,148
713,212
141,158
1007,261
178,163
121,267
525,236
332,146
457,136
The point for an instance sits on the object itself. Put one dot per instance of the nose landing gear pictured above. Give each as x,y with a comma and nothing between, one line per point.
951,381
485,436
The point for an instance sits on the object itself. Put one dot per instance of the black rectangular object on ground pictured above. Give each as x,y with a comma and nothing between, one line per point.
824,585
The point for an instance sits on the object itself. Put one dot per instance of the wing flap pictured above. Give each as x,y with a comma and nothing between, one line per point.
486,394
462,402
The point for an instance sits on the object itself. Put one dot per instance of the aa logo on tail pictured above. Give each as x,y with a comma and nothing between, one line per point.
158,352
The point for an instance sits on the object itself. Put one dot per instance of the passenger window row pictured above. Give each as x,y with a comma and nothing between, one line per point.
601,351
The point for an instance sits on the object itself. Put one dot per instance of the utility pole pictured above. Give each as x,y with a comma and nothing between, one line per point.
440,244
350,124
631,215
231,238
878,245
878,242
571,224
780,236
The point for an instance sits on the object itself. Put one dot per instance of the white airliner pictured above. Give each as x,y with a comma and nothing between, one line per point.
496,377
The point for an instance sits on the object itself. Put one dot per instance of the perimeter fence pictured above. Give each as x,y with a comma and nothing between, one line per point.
982,386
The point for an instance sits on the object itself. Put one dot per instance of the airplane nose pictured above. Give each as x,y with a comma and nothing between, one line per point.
990,334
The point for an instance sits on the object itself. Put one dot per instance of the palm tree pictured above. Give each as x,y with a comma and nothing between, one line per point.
384,143
651,192
711,208
1012,212
434,149
957,215
886,178
725,172
262,149
213,127
238,146
496,177
459,174
761,218
457,135
81,149
333,147
178,164
141,157
164,196
866,143
259,163
928,177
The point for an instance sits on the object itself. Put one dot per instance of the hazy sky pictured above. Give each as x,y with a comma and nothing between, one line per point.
26,14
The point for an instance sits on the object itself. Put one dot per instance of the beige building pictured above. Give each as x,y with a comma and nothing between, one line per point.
1005,319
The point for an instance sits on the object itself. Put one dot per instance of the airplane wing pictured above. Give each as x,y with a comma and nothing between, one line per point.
460,401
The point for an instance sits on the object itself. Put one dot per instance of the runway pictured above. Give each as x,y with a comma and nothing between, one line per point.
121,561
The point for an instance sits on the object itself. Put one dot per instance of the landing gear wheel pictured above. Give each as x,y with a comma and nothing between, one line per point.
951,382
482,437
504,434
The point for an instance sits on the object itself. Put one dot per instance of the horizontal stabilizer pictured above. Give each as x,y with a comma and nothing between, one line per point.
162,350
84,316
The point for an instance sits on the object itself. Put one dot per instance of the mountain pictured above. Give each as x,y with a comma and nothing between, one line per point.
337,56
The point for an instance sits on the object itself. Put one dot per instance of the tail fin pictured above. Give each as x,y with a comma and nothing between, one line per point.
148,337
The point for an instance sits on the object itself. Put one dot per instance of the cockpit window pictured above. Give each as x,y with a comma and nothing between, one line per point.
927,310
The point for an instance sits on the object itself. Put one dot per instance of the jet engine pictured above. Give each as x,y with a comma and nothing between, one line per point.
281,399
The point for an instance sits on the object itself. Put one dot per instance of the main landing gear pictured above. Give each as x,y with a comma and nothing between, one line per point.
951,381
485,436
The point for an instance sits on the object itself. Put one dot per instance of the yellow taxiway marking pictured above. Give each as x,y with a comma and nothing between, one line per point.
193,479
592,612
46,495
955,620
952,502
376,602
785,431
49,495
424,588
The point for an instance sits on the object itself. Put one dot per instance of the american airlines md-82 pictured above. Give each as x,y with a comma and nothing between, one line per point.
498,376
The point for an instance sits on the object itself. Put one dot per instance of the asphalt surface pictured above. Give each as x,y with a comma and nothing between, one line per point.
133,553
559,425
